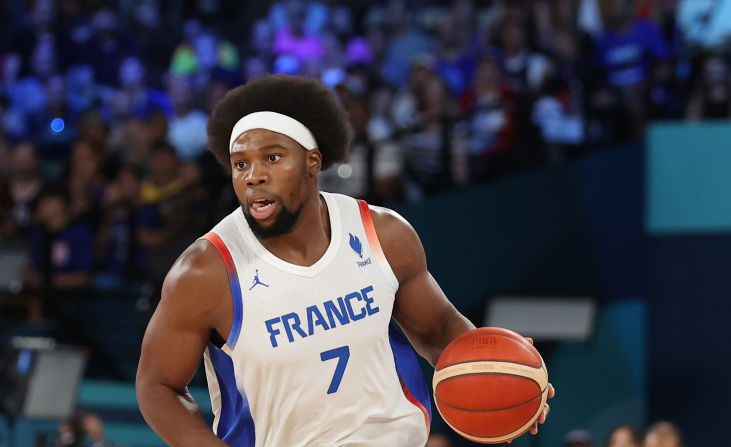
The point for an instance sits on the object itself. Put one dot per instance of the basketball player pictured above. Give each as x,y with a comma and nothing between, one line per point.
290,299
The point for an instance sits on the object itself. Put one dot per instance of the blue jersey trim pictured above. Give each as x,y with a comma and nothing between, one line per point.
238,315
407,367
233,279
235,424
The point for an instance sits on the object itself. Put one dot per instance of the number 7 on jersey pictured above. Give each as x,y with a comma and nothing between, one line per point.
342,354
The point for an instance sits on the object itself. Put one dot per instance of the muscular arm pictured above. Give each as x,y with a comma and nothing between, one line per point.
422,310
195,301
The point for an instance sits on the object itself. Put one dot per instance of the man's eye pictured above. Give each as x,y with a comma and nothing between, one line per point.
240,165
273,158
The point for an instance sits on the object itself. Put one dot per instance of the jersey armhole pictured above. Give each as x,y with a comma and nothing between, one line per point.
370,230
233,280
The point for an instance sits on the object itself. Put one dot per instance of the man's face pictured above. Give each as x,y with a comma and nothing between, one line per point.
273,176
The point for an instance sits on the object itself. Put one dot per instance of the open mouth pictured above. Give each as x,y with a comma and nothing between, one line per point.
262,208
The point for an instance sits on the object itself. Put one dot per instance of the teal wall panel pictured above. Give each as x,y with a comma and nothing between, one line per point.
689,178
601,383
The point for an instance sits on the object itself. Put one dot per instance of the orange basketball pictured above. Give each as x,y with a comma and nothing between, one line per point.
490,385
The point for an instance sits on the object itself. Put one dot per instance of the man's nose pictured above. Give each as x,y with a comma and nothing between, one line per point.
257,175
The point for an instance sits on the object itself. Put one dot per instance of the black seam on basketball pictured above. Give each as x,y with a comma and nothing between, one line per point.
491,360
541,391
489,374
440,401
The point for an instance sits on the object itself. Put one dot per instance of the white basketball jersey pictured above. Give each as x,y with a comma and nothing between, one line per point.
313,358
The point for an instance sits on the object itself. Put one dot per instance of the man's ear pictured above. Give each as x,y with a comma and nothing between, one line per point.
314,161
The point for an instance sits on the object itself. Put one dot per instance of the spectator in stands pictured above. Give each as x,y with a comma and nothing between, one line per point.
93,129
628,46
374,163
135,96
313,15
569,61
625,436
353,177
427,139
81,91
187,127
455,59
183,61
293,39
12,123
165,216
388,163
116,241
23,186
663,434
403,44
42,36
376,38
625,52
558,114
85,184
524,69
75,19
108,47
260,41
210,54
61,255
217,87
214,52
711,98
488,128
29,95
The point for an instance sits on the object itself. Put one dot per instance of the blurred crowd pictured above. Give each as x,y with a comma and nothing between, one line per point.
87,426
104,174
659,434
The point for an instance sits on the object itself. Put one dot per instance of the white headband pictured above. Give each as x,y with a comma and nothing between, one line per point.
276,122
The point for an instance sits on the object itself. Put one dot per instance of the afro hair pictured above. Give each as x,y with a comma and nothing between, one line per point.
304,99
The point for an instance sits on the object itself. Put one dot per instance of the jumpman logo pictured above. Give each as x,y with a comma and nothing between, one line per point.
257,281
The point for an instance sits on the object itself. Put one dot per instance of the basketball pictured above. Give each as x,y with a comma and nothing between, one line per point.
490,385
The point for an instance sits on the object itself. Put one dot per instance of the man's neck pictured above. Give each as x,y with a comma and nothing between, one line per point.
309,238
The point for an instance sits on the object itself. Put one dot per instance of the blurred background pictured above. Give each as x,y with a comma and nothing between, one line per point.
566,163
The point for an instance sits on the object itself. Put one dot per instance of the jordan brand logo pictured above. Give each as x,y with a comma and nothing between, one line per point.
257,281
